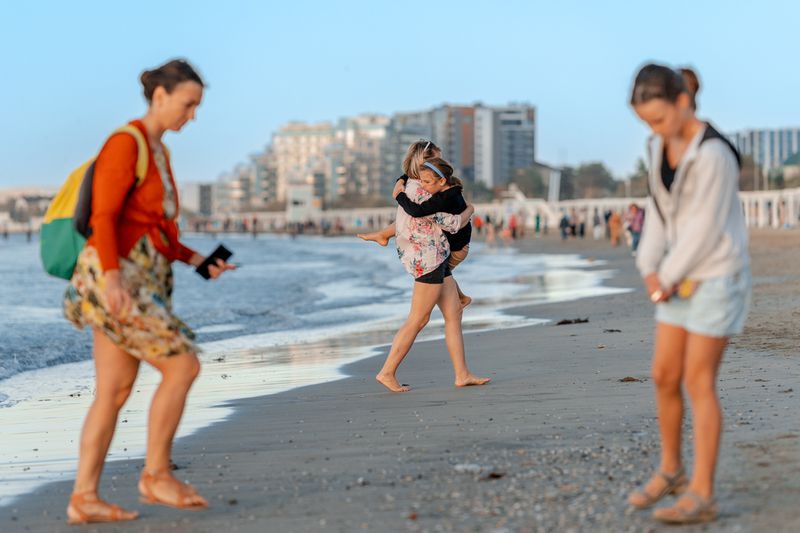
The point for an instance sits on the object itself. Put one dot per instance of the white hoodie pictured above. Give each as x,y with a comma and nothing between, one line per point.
702,234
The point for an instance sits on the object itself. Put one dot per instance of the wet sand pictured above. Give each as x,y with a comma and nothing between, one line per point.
554,443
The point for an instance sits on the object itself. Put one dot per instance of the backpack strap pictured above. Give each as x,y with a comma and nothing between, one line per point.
143,153
82,212
650,191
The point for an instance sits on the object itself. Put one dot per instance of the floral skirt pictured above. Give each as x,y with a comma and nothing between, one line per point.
149,329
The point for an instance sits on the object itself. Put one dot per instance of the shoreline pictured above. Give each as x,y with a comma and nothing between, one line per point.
516,454
256,365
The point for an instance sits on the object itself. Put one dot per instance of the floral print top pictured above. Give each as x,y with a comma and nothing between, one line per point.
421,243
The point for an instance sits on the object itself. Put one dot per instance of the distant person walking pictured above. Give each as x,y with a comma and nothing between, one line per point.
615,228
694,261
122,289
564,226
635,222
597,226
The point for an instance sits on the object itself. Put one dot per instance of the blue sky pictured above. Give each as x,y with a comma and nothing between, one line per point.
70,70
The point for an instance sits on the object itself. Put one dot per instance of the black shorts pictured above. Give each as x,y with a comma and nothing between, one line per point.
436,276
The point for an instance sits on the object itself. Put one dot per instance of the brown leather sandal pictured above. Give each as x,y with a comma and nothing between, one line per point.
674,484
183,497
77,513
703,510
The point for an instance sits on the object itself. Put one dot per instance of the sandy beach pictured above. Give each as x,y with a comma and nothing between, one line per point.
565,430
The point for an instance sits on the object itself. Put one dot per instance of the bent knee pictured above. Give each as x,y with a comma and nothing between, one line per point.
184,368
114,396
192,367
419,322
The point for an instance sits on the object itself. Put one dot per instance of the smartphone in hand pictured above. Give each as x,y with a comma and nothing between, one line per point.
220,253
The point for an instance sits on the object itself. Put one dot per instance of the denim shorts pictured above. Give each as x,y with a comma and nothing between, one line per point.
718,308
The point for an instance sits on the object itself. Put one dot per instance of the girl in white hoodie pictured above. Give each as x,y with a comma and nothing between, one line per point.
694,261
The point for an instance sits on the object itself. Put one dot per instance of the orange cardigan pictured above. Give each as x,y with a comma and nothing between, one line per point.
119,221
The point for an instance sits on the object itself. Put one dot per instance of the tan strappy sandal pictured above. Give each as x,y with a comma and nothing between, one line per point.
78,514
183,498
674,484
703,510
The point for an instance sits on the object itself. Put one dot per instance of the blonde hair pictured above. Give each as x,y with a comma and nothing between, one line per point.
416,154
444,167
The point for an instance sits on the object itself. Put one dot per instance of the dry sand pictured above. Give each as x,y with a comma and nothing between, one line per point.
553,444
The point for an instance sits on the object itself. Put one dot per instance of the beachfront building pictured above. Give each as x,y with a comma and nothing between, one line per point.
234,191
791,169
505,141
354,161
402,130
769,148
298,148
265,184
483,143
451,127
198,198
454,131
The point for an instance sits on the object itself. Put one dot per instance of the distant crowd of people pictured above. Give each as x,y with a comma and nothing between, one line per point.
613,225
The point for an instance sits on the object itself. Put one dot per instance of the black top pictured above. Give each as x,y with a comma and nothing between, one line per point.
448,201
667,172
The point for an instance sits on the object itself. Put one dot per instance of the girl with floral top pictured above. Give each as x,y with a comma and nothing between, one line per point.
448,200
424,251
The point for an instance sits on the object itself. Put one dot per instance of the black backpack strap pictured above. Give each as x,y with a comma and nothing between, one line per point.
649,188
712,133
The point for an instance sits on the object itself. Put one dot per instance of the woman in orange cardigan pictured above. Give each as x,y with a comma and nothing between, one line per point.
122,288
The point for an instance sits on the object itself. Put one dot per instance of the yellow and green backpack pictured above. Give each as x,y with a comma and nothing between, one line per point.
65,227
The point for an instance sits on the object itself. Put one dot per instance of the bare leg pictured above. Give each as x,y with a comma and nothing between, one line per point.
115,372
423,299
703,357
456,258
668,362
381,237
178,373
463,298
452,311
668,368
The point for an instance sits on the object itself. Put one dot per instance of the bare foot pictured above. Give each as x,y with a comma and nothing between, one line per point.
472,380
375,236
391,383
89,508
465,301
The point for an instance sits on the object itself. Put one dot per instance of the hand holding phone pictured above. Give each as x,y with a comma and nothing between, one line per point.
213,265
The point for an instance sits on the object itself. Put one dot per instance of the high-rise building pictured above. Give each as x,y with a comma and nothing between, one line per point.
359,157
355,164
454,132
403,129
234,190
265,186
197,198
206,199
768,148
299,150
505,141
450,127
